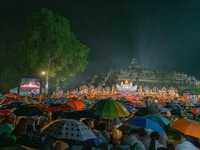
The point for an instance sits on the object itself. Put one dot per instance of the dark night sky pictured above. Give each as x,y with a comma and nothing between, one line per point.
161,34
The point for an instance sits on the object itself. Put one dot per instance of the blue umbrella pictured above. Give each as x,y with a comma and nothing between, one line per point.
49,102
63,100
145,123
162,121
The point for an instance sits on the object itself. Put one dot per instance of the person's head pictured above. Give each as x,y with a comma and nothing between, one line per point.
102,126
135,132
155,135
60,145
142,132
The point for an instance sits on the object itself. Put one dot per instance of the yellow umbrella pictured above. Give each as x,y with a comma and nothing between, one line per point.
187,126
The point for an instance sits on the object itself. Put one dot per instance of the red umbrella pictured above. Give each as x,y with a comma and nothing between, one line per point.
37,105
9,95
52,107
76,104
5,112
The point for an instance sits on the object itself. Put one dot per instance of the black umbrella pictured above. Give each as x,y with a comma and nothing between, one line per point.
28,111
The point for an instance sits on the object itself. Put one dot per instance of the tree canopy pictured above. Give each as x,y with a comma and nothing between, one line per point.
47,45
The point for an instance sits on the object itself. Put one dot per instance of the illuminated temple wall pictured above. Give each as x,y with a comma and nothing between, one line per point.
144,77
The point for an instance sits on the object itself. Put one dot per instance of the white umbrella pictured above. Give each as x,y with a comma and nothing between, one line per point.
68,129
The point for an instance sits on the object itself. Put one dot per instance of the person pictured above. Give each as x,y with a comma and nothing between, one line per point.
185,144
104,132
21,127
154,145
131,139
117,134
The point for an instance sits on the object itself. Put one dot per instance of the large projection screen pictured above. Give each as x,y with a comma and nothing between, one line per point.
30,86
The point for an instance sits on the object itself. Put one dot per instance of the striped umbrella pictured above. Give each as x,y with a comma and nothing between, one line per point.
109,109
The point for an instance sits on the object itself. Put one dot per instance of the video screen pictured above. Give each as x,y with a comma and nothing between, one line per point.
30,86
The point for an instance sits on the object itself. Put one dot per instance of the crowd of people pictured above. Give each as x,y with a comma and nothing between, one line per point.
112,133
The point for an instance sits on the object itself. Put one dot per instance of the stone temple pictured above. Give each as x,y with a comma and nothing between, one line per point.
145,78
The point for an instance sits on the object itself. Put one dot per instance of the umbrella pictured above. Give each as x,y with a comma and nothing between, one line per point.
63,100
144,111
173,106
187,126
145,123
78,114
49,102
9,95
28,111
13,105
37,105
76,104
196,110
52,107
5,112
68,129
162,121
109,109
163,110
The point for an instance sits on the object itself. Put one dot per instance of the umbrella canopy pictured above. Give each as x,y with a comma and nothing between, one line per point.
9,95
13,105
163,110
76,104
5,112
162,121
28,111
65,107
145,123
68,129
187,126
173,106
63,100
49,102
196,110
109,109
144,111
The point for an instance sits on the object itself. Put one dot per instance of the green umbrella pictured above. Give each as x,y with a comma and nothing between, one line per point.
162,121
109,109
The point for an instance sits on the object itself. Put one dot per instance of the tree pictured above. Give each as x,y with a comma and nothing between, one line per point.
56,47
197,90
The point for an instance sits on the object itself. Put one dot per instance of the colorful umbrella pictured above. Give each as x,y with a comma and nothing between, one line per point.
5,112
187,126
65,107
28,111
76,104
145,123
109,109
196,110
162,121
49,102
68,129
